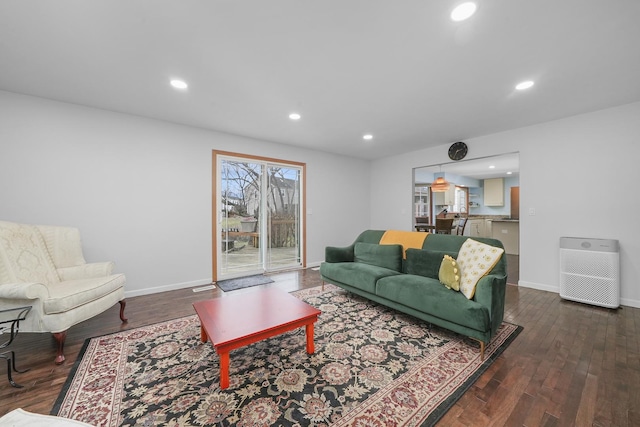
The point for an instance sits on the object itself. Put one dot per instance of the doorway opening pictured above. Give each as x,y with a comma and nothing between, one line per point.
484,190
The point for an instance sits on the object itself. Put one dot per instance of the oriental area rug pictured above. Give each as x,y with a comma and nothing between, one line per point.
372,366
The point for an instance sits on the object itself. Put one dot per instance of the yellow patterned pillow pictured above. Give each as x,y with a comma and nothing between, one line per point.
475,259
449,274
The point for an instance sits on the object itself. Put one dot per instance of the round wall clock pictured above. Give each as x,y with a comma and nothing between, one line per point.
458,150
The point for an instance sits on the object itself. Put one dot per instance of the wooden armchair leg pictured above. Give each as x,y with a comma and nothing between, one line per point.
123,303
60,337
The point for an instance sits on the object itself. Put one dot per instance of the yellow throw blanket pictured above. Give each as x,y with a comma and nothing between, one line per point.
408,239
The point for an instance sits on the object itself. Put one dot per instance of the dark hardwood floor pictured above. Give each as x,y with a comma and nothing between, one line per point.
572,365
513,269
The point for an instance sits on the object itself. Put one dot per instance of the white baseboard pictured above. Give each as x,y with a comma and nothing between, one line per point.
556,290
630,302
539,286
170,287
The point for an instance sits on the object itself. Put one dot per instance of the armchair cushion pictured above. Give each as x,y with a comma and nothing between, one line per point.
95,269
24,256
64,245
70,294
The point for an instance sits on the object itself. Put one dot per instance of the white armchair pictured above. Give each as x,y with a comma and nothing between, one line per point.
43,267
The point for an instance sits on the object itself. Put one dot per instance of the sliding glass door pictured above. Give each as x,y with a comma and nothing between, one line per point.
258,209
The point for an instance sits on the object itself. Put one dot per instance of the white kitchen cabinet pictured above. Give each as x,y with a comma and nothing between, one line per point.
445,198
475,228
508,232
494,192
488,227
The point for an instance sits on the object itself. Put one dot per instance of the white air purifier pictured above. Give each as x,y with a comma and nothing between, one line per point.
590,271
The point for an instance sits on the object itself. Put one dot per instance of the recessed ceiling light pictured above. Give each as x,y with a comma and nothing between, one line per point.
524,85
509,173
492,167
463,11
294,116
179,84
367,137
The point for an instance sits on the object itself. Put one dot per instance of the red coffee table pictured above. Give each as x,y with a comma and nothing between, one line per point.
238,320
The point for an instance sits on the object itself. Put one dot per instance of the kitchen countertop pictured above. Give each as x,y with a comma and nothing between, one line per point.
493,218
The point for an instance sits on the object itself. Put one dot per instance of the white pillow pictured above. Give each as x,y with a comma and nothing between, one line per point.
475,260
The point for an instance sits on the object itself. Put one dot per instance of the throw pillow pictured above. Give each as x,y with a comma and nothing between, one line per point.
449,274
475,260
426,263
387,256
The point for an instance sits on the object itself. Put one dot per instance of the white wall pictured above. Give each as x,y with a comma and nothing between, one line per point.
580,175
140,191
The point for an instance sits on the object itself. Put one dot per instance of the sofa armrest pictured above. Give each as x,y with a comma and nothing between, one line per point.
490,292
86,271
338,254
24,290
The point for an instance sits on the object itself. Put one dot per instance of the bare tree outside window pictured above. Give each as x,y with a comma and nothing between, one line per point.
242,197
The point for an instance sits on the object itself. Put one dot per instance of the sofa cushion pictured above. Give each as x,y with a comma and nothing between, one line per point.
426,262
386,256
444,242
429,296
475,260
449,274
357,274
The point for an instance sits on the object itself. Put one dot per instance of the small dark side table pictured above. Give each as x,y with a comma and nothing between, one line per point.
10,322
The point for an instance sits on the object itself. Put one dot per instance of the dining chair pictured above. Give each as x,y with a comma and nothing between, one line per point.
444,225
422,223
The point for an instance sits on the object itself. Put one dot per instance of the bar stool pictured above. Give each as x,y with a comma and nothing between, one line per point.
461,223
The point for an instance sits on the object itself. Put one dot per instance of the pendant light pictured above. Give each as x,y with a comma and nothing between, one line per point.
440,184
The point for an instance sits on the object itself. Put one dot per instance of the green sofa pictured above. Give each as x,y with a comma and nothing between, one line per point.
381,274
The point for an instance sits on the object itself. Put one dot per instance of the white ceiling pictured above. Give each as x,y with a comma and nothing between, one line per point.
401,70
